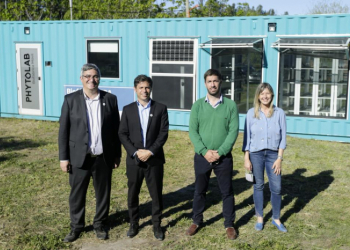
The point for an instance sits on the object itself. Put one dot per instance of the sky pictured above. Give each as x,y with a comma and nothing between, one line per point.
294,7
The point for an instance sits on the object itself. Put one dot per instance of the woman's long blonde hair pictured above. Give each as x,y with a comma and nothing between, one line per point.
261,87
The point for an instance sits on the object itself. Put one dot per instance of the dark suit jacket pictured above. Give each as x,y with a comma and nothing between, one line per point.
73,139
157,132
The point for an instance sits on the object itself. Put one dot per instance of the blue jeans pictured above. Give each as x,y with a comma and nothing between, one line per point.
262,160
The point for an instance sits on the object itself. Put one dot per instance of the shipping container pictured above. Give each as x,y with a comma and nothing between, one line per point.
305,59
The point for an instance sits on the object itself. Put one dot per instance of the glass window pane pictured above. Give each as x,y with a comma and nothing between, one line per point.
172,68
241,72
342,76
324,106
324,90
288,75
335,41
104,47
307,75
305,105
341,107
175,92
331,47
105,55
319,85
325,72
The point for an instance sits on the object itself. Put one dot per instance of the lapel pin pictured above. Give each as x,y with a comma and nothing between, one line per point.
104,104
151,115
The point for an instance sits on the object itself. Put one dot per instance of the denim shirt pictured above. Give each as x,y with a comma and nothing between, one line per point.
265,133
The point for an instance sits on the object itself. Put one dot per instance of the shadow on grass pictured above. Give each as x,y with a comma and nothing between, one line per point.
171,200
4,158
303,189
294,186
12,144
180,201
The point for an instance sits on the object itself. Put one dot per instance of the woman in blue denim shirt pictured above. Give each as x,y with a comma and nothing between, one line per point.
263,146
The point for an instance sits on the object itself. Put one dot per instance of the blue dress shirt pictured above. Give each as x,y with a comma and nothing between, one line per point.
144,117
265,133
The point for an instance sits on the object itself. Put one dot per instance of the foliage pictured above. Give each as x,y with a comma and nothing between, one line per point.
244,9
217,8
33,10
109,9
329,7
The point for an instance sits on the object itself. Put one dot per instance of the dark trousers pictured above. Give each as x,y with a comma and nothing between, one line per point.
154,181
224,172
79,179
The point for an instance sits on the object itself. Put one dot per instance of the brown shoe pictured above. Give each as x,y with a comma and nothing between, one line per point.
231,233
192,230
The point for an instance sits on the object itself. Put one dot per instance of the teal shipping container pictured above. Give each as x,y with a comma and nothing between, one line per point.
305,59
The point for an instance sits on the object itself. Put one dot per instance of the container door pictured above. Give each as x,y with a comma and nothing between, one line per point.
29,79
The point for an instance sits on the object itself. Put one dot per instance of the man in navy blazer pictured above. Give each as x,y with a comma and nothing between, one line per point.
89,147
143,131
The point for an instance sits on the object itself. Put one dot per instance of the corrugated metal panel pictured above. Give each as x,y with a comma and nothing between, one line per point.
179,118
317,126
8,82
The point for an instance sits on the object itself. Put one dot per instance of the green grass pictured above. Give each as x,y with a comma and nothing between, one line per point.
34,197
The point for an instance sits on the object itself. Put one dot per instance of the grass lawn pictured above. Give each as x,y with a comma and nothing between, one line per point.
34,197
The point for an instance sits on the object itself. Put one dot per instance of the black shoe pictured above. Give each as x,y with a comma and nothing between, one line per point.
158,233
72,236
101,233
133,230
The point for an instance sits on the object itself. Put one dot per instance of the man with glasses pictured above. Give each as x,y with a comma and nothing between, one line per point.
89,147
213,130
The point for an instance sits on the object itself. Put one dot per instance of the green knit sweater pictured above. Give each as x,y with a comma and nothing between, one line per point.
214,128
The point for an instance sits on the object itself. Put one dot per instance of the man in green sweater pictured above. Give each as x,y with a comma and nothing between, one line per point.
213,131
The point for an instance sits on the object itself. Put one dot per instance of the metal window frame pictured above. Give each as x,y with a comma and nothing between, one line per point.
284,46
233,43
194,63
111,39
315,98
239,46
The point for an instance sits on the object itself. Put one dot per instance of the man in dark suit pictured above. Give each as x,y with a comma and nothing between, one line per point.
143,131
89,147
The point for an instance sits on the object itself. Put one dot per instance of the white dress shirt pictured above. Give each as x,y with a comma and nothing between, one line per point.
93,115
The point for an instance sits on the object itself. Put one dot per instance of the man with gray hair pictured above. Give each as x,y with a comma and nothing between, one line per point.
89,146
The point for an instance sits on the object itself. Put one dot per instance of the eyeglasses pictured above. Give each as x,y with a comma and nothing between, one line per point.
88,77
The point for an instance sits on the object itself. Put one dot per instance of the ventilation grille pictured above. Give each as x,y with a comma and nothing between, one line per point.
176,50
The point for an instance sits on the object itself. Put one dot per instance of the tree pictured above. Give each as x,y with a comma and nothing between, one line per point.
32,10
243,9
215,8
35,10
327,7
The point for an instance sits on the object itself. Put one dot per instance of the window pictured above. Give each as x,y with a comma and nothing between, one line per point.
173,68
105,54
313,76
240,62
